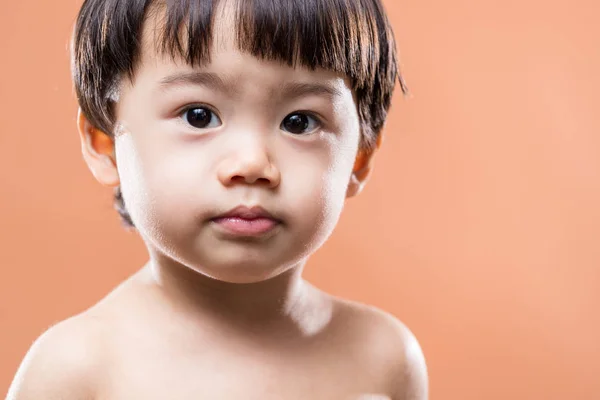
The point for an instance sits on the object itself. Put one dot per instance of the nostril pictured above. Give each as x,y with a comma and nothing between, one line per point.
243,179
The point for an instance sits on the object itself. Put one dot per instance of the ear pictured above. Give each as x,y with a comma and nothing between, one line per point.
363,166
98,152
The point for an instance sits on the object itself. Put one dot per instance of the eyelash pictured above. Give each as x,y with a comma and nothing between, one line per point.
317,118
311,114
187,108
318,121
183,111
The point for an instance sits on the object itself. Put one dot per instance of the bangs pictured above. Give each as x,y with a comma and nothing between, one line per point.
345,36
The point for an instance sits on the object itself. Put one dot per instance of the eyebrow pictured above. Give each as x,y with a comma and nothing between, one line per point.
293,90
290,90
208,79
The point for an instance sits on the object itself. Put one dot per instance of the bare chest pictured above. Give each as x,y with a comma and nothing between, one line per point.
237,373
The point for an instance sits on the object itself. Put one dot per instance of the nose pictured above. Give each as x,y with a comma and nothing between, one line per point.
249,164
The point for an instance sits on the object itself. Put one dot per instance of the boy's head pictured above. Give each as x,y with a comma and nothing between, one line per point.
190,108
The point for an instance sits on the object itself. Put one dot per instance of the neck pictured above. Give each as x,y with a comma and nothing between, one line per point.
274,302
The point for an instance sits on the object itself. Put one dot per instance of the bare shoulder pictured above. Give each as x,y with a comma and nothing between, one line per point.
63,363
71,359
390,344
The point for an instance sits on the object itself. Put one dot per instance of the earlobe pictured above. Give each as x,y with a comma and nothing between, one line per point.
360,174
97,148
363,165
354,187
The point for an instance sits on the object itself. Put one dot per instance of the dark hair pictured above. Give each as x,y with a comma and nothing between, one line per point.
352,37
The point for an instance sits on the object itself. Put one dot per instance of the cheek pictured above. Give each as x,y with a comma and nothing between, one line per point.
317,185
338,175
337,178
154,184
132,177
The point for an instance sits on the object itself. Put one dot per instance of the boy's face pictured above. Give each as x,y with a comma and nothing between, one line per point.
194,143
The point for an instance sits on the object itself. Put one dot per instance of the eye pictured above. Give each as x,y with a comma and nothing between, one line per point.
299,123
201,117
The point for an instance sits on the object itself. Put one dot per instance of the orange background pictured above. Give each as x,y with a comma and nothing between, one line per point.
480,227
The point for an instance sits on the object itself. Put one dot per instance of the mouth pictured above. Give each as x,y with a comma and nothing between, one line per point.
246,221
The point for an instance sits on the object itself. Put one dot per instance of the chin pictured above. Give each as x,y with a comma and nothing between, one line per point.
241,269
242,274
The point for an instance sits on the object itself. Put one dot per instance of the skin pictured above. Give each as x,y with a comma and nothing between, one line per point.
212,315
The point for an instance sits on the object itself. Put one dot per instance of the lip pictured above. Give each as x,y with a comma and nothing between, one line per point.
246,212
246,221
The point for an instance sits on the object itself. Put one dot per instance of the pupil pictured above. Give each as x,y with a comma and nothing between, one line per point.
296,123
199,117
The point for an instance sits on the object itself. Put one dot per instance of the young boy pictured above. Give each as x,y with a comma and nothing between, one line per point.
233,131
